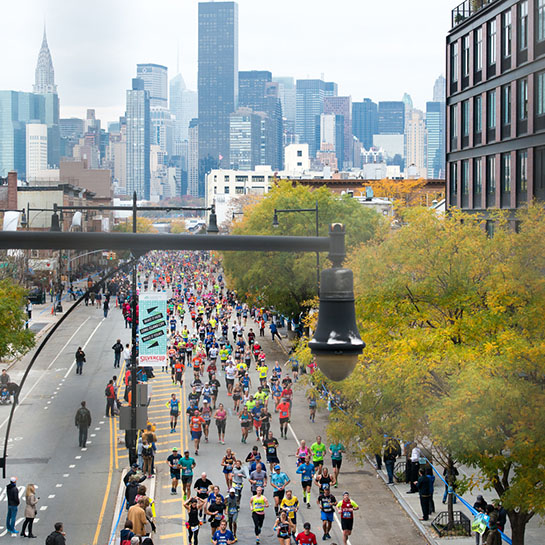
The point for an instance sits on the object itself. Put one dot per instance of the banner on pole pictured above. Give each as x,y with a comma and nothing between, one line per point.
152,329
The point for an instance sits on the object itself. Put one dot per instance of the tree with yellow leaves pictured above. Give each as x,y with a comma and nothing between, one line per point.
453,322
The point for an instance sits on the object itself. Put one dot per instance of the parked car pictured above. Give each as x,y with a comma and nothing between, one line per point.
36,295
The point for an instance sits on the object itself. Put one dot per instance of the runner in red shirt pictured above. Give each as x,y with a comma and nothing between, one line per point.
306,537
283,409
195,424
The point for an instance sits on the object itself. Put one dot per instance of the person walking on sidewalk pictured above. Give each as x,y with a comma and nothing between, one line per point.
30,510
83,422
80,360
392,450
110,398
13,505
274,332
423,484
118,350
106,307
346,508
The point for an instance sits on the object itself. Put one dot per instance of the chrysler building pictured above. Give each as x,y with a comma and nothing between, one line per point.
45,75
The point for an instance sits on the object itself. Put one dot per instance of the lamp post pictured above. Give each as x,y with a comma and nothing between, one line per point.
336,343
315,211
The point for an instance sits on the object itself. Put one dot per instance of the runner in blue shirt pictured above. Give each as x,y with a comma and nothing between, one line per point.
279,481
306,470
222,536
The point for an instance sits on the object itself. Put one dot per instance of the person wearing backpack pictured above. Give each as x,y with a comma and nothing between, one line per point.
80,360
126,534
83,421
110,398
118,350
57,537
147,455
391,451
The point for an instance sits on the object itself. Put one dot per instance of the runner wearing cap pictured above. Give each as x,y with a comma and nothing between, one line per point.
174,406
187,464
232,503
173,462
306,537
326,502
279,481
346,508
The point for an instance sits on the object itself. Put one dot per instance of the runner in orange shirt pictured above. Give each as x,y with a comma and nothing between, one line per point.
283,409
195,424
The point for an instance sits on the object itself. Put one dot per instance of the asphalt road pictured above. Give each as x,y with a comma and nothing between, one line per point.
80,487
72,482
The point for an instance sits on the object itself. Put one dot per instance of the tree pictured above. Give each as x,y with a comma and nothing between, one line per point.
455,356
143,225
286,280
14,338
177,226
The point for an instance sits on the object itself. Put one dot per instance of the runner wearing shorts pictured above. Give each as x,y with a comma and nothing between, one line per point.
187,464
284,415
173,462
174,406
195,425
306,470
346,508
221,421
228,463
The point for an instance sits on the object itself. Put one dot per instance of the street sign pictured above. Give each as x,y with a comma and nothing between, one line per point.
152,328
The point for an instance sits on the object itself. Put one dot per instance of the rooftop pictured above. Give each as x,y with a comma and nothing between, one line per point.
467,9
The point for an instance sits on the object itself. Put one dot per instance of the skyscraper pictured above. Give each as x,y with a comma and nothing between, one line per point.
138,140
16,110
310,94
287,95
155,78
44,84
342,106
245,139
183,106
415,142
217,82
258,92
440,89
365,121
391,117
435,125
36,149
193,159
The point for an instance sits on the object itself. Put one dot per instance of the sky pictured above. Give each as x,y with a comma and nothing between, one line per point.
376,49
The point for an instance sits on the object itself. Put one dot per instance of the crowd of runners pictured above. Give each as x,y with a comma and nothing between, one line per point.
214,343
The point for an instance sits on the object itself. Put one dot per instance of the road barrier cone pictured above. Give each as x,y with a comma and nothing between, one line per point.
53,309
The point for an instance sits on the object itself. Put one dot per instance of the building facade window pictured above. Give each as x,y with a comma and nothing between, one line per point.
506,105
523,25
523,99
465,177
477,176
478,114
506,172
540,20
454,126
491,174
540,92
522,171
479,49
506,33
465,118
465,56
454,62
491,110
491,45
453,181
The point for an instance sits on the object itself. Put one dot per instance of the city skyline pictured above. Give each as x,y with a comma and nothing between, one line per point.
96,77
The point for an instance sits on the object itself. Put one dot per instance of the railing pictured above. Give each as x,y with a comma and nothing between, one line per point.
466,9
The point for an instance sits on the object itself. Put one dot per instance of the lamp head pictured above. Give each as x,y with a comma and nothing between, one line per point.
336,342
212,222
55,223
24,219
275,219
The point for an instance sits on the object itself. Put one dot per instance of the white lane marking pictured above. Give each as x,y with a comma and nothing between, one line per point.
84,448
78,457
334,514
59,485
66,475
46,408
49,402
96,429
72,466
84,346
101,422
93,435
43,507
51,496
88,442
47,369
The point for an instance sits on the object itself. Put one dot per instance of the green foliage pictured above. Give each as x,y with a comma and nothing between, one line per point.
14,338
453,322
286,280
143,225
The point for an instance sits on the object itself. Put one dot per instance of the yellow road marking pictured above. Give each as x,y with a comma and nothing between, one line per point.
169,536
108,485
175,515
171,500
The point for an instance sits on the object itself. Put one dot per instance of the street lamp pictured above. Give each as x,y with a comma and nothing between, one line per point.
212,228
275,224
337,343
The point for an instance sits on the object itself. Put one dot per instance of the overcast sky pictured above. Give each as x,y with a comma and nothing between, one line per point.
377,49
